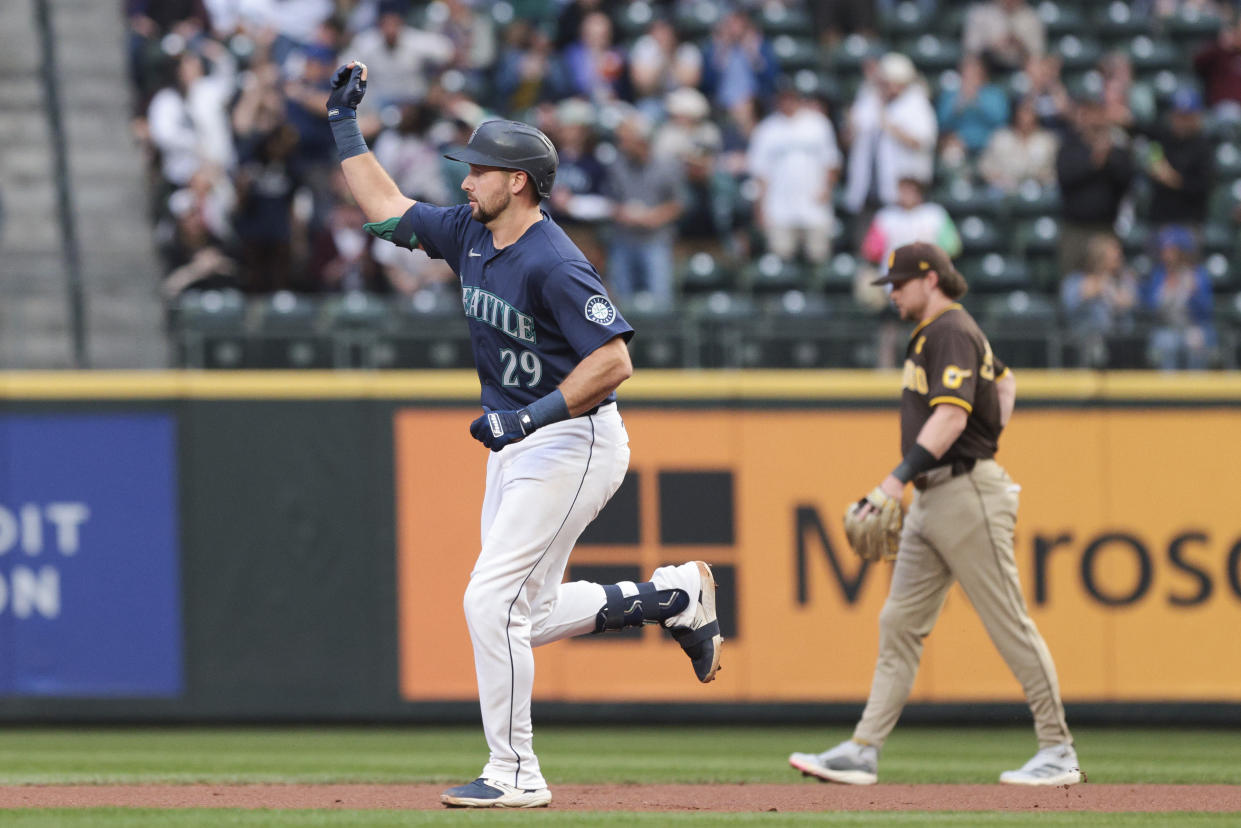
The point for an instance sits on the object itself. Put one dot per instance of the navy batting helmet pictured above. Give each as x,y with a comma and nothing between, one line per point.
512,145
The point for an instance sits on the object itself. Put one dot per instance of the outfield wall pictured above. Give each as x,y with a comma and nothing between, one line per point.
295,546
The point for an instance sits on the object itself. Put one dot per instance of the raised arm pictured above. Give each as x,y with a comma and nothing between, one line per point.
372,187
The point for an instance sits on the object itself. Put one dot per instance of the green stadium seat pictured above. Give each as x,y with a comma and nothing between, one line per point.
633,19
1190,25
693,21
1077,53
209,329
1149,55
1165,82
1224,274
1223,203
960,195
210,310
781,19
1022,328
356,311
1219,237
933,54
771,274
704,273
724,321
995,273
1135,237
980,235
288,312
838,274
794,52
908,20
846,59
666,340
1060,18
1117,21
1033,200
1038,235
1225,126
289,334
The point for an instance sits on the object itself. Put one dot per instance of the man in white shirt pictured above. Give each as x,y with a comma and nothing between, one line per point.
794,158
1006,32
400,59
894,134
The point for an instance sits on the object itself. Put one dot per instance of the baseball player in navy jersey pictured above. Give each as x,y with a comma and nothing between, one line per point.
550,349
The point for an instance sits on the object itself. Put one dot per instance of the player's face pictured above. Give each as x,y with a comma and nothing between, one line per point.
489,191
910,297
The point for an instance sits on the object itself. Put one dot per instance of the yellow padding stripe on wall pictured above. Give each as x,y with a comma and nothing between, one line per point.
645,385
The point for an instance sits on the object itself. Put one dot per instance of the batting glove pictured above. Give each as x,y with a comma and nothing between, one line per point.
347,91
496,429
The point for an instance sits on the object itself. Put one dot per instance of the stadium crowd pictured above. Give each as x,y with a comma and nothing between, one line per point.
775,137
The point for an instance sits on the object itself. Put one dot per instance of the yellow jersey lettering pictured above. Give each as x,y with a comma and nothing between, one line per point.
987,369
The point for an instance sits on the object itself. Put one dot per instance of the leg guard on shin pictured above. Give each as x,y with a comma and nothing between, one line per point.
649,606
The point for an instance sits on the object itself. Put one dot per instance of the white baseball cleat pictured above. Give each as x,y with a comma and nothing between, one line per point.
849,763
1055,765
492,793
701,640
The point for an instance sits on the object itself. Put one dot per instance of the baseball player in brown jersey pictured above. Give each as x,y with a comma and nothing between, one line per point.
957,397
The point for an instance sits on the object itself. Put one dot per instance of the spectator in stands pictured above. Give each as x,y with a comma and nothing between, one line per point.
188,118
149,22
578,202
1181,163
1094,169
691,138
911,219
306,91
969,113
411,160
1006,33
594,67
266,182
795,161
894,131
1019,153
1047,91
472,33
1178,294
569,21
1219,65
660,63
1099,300
401,60
833,19
196,259
527,72
647,194
1125,104
739,69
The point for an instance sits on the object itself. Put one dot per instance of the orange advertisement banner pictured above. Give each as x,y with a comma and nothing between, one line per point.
1128,543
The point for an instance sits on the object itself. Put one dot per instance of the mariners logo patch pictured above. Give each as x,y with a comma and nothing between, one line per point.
599,309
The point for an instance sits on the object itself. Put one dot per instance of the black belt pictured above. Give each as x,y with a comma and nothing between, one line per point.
956,468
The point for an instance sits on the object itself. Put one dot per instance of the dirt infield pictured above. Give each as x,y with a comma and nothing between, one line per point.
796,797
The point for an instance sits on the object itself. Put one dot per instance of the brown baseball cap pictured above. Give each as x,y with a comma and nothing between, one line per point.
912,261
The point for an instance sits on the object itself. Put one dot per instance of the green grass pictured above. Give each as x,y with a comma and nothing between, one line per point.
201,818
584,754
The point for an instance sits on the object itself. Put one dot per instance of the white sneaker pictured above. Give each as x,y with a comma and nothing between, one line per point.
850,763
697,628
1055,765
492,793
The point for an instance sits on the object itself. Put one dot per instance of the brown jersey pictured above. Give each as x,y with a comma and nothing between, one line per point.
949,361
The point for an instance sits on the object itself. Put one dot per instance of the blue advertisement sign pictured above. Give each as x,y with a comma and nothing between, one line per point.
90,601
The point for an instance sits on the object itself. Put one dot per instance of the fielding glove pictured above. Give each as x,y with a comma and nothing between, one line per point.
876,535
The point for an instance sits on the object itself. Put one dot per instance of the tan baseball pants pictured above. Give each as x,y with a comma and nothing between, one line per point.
960,529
